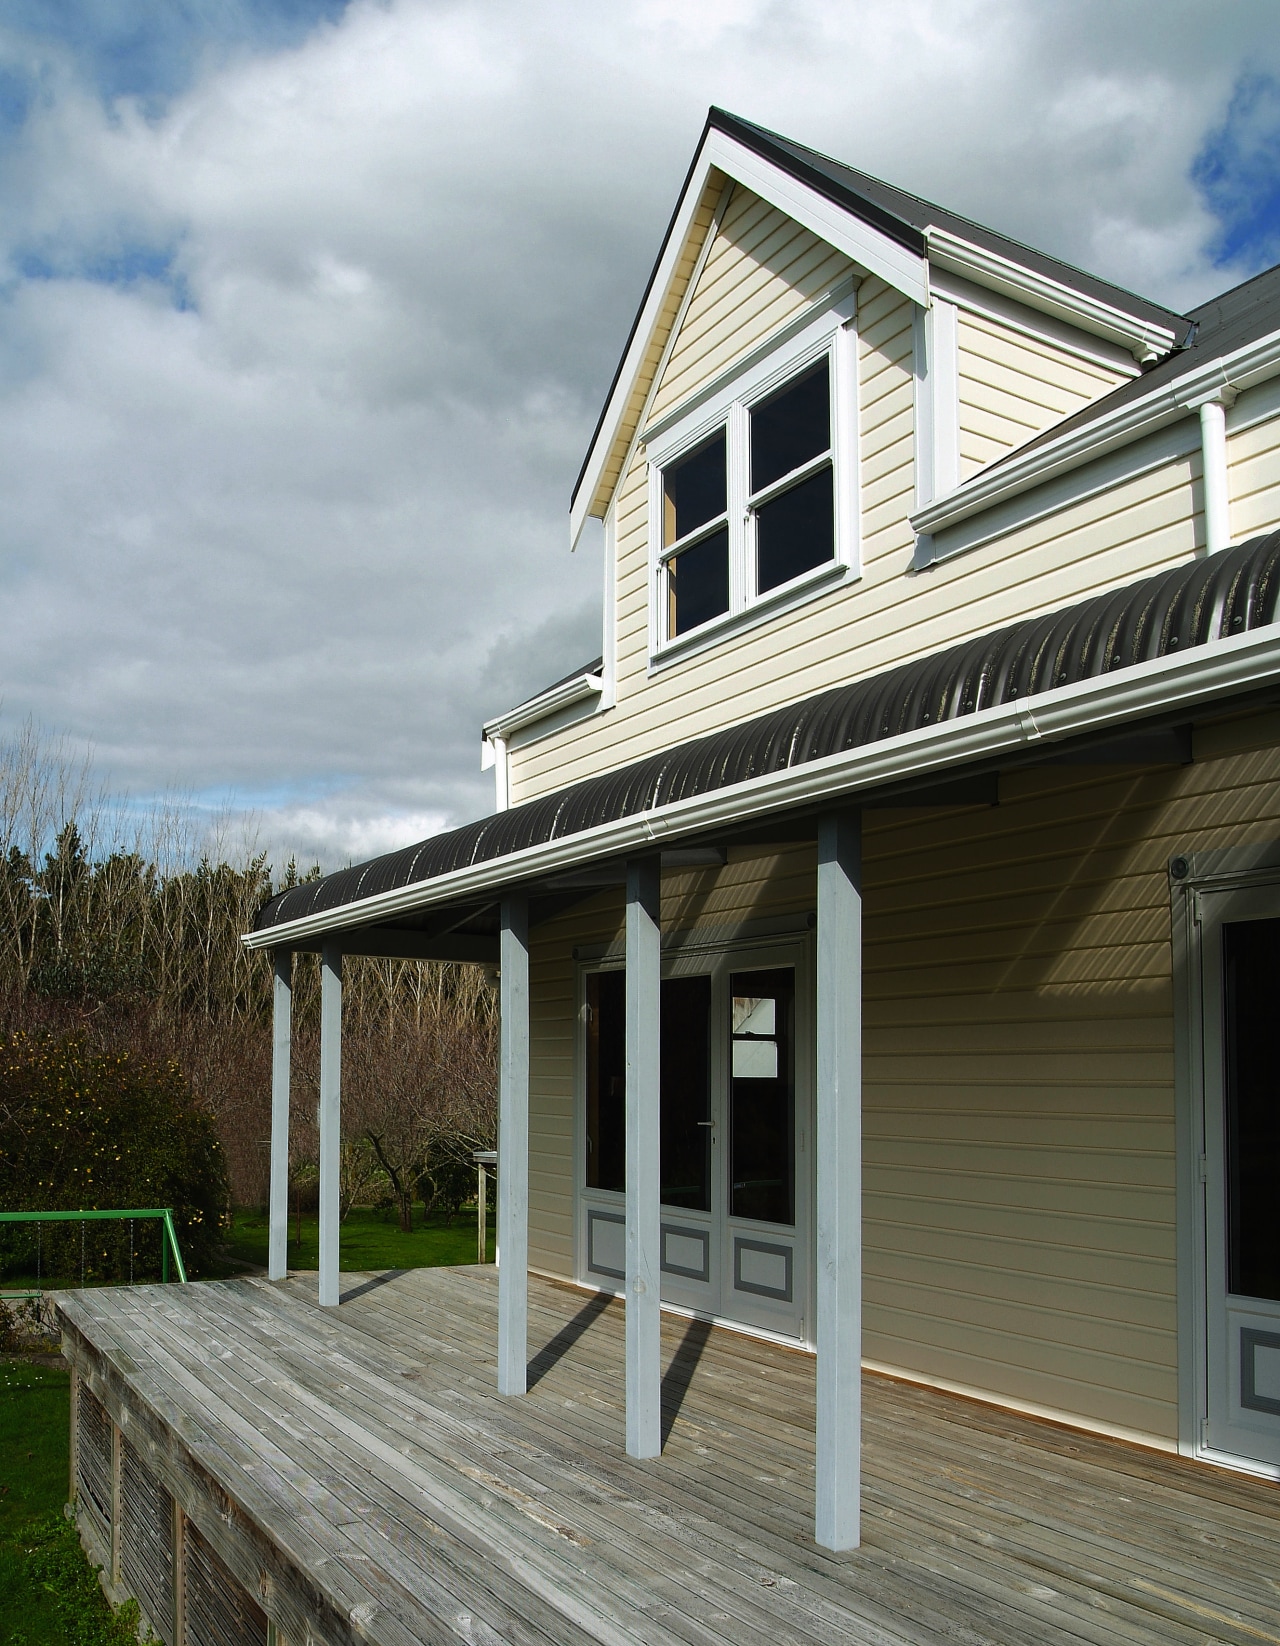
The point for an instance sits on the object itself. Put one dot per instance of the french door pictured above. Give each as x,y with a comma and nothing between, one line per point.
735,1124
1240,946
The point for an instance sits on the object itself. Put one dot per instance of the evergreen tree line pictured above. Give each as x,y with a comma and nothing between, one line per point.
120,940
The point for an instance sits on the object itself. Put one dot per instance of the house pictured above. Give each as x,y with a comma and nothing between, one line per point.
888,918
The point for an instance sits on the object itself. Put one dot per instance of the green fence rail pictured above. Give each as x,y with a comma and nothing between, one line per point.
168,1238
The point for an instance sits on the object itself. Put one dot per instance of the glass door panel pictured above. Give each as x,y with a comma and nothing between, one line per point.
1251,1007
606,1080
1241,937
762,1090
686,1093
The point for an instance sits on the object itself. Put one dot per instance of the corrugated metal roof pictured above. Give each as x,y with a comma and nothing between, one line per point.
1186,606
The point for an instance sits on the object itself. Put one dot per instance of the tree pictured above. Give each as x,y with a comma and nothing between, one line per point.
86,1130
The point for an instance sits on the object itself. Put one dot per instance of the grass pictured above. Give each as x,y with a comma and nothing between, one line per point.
368,1240
49,1595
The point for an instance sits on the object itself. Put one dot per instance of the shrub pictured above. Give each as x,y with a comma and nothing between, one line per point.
86,1129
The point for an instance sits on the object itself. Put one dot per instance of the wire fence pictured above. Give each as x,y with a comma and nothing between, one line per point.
43,1250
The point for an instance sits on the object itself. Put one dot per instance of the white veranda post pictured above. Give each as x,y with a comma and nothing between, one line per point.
513,1148
281,1044
643,1092
839,1181
330,1119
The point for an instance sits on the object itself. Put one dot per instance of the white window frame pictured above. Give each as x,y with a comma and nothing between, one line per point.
831,334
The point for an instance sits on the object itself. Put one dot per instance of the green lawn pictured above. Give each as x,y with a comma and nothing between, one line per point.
369,1240
48,1594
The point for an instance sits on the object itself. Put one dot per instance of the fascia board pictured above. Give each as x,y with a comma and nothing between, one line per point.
584,502
864,245
1220,668
868,247
538,708
1142,337
1253,363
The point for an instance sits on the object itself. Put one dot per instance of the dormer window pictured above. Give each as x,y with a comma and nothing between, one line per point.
696,536
746,494
791,510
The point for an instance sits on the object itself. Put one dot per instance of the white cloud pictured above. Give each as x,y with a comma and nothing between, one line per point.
300,537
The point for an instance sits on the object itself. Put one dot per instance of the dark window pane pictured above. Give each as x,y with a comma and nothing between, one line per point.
695,490
1251,1008
698,583
606,1080
795,532
762,1096
686,1092
790,428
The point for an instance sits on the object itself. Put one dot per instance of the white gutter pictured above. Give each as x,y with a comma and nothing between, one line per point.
537,708
1253,363
1222,667
1144,339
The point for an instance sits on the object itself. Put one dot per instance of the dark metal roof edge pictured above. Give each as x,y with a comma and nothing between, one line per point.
1171,612
644,298
789,156
782,152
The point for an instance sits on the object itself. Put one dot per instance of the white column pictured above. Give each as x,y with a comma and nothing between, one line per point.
330,1119
839,1173
644,1302
513,1148
1213,469
281,1047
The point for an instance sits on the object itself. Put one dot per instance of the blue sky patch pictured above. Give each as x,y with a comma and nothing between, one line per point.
1237,172
136,48
118,265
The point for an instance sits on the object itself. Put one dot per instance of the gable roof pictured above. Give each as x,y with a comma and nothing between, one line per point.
918,229
1163,617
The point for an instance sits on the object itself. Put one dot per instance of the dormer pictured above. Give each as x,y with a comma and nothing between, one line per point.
818,357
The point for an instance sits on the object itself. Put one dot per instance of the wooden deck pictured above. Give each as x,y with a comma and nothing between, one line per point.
358,1466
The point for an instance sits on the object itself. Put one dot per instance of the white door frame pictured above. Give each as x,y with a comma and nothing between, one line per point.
1192,876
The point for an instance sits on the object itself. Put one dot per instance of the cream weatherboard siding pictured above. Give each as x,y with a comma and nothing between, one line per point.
763,269
1253,457
1012,386
1019,1103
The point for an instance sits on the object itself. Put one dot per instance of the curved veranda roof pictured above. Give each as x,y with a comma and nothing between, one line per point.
1160,617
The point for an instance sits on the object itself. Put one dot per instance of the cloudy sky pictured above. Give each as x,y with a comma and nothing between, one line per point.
307,310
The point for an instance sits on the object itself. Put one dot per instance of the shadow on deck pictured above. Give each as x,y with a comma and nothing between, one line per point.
357,1473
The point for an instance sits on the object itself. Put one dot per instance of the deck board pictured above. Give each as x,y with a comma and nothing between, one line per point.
369,1442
